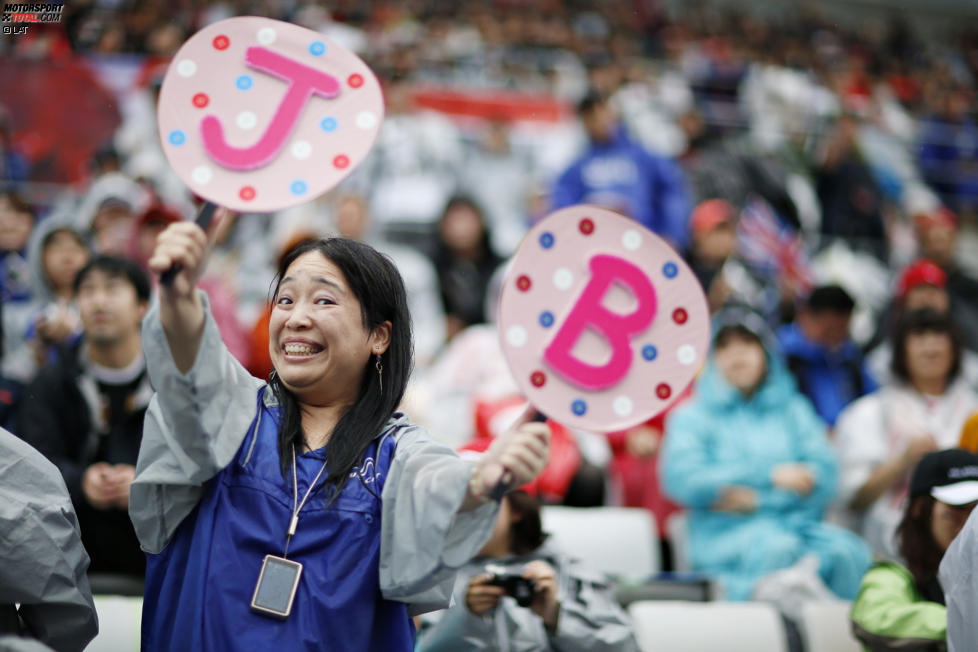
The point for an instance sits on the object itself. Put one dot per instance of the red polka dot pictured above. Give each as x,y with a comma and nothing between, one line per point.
247,193
586,226
538,378
201,100
341,161
679,316
523,283
355,81
221,42
663,391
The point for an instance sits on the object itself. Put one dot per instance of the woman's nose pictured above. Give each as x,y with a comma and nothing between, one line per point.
298,316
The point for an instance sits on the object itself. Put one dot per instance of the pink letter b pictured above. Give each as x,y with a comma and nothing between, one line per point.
615,328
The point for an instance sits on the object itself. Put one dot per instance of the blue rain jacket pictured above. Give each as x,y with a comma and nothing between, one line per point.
721,439
831,379
622,175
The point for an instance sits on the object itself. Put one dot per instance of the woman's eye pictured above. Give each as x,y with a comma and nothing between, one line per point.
283,301
325,301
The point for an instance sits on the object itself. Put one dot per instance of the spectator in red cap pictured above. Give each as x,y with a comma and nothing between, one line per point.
922,284
712,242
937,233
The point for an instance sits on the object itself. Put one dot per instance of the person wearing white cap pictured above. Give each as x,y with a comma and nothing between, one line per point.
901,605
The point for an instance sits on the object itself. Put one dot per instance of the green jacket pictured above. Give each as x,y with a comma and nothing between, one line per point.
889,613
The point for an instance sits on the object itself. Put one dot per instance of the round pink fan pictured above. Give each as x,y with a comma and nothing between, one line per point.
258,115
602,323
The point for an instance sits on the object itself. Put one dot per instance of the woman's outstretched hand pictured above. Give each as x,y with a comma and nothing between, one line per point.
515,457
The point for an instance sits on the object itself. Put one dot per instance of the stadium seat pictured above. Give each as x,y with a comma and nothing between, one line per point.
119,619
825,627
619,541
697,626
677,532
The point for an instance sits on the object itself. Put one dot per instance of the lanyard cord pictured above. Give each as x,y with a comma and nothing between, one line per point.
296,505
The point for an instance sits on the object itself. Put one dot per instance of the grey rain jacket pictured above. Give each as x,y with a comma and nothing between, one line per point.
42,561
196,423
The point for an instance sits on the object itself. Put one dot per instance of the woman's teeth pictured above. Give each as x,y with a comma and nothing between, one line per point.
299,349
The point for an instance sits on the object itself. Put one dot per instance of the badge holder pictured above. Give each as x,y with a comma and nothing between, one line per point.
276,587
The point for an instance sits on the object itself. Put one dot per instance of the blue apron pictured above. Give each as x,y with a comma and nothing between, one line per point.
199,588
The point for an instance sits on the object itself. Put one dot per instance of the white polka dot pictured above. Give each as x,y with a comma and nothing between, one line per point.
202,174
622,406
516,336
686,354
187,68
301,149
366,120
563,278
266,36
247,120
631,239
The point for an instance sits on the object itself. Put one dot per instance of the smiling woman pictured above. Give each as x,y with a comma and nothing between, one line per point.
315,502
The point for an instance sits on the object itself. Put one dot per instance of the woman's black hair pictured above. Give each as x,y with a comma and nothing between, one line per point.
915,322
378,286
916,541
527,530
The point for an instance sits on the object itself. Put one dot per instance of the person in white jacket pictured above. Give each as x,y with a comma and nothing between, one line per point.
883,435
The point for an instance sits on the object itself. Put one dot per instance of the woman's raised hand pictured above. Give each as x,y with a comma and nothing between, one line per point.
186,245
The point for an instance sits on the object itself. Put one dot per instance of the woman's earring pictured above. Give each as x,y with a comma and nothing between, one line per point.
380,372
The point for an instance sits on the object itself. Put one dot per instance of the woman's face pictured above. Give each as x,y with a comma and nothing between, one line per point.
929,356
947,520
63,256
742,363
317,340
461,228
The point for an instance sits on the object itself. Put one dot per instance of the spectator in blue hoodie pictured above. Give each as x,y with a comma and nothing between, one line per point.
619,174
749,459
827,365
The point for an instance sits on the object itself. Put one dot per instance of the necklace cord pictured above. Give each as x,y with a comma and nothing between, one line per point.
296,505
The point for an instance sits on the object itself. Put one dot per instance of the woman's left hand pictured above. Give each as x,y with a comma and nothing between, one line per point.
545,603
522,451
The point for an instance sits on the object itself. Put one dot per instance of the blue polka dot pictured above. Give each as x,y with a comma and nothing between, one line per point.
244,82
317,48
670,270
177,137
579,407
546,240
546,319
298,187
649,352
329,124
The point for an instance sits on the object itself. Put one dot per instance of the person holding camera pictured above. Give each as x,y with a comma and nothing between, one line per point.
520,594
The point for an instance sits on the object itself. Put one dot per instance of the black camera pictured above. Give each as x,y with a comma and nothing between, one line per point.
518,587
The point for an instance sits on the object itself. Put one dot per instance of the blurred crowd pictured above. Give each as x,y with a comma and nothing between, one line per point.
818,177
